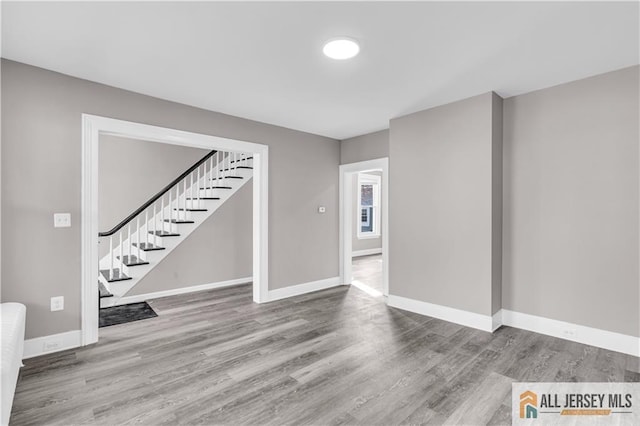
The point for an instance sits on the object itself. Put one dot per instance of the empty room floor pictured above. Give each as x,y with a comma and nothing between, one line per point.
336,356
368,270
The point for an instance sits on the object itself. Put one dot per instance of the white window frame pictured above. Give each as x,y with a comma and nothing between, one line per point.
364,179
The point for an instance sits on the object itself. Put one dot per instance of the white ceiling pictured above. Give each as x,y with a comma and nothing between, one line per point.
264,61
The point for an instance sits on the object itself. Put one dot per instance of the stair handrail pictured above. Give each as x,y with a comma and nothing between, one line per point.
156,197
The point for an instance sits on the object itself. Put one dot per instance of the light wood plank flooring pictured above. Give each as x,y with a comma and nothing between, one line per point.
368,270
333,357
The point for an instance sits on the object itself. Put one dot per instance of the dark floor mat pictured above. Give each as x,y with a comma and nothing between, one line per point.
125,313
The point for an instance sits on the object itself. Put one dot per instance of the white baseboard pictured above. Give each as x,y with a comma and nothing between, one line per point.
366,252
457,316
297,290
158,294
496,321
52,343
574,332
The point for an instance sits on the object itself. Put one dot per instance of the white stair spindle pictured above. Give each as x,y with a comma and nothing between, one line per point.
111,256
198,191
170,209
191,188
209,179
217,174
146,227
129,241
184,192
155,226
235,164
120,249
138,236
162,213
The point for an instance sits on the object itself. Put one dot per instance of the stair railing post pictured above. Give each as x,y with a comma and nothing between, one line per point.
120,249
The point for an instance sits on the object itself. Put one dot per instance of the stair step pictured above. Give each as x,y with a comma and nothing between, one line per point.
215,187
192,210
117,275
228,177
203,198
248,158
164,233
103,291
132,260
178,221
148,247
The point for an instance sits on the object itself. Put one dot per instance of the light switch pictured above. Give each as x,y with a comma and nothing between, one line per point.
322,209
57,303
62,220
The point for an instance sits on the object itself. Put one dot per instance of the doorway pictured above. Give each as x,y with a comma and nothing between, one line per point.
364,239
92,128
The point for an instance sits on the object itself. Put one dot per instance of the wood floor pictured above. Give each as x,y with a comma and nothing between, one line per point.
368,270
333,357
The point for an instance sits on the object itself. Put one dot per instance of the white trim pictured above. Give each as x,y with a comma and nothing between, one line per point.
43,345
496,320
346,176
574,332
183,290
89,253
366,252
92,127
457,316
297,290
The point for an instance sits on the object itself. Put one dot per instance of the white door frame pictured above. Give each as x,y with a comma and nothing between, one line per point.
92,127
347,174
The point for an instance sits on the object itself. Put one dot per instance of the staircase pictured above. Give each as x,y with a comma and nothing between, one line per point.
145,237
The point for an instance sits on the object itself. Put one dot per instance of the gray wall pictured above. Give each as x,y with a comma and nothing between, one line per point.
41,158
571,202
366,243
441,204
366,147
132,171
219,250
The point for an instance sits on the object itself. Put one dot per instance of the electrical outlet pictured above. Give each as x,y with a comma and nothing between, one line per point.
57,303
62,220
569,332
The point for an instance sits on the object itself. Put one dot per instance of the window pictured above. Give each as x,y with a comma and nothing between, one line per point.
368,206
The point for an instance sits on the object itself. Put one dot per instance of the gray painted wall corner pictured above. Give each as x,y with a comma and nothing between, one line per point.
365,147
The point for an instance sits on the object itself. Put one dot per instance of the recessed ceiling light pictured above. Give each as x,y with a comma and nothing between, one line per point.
341,48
